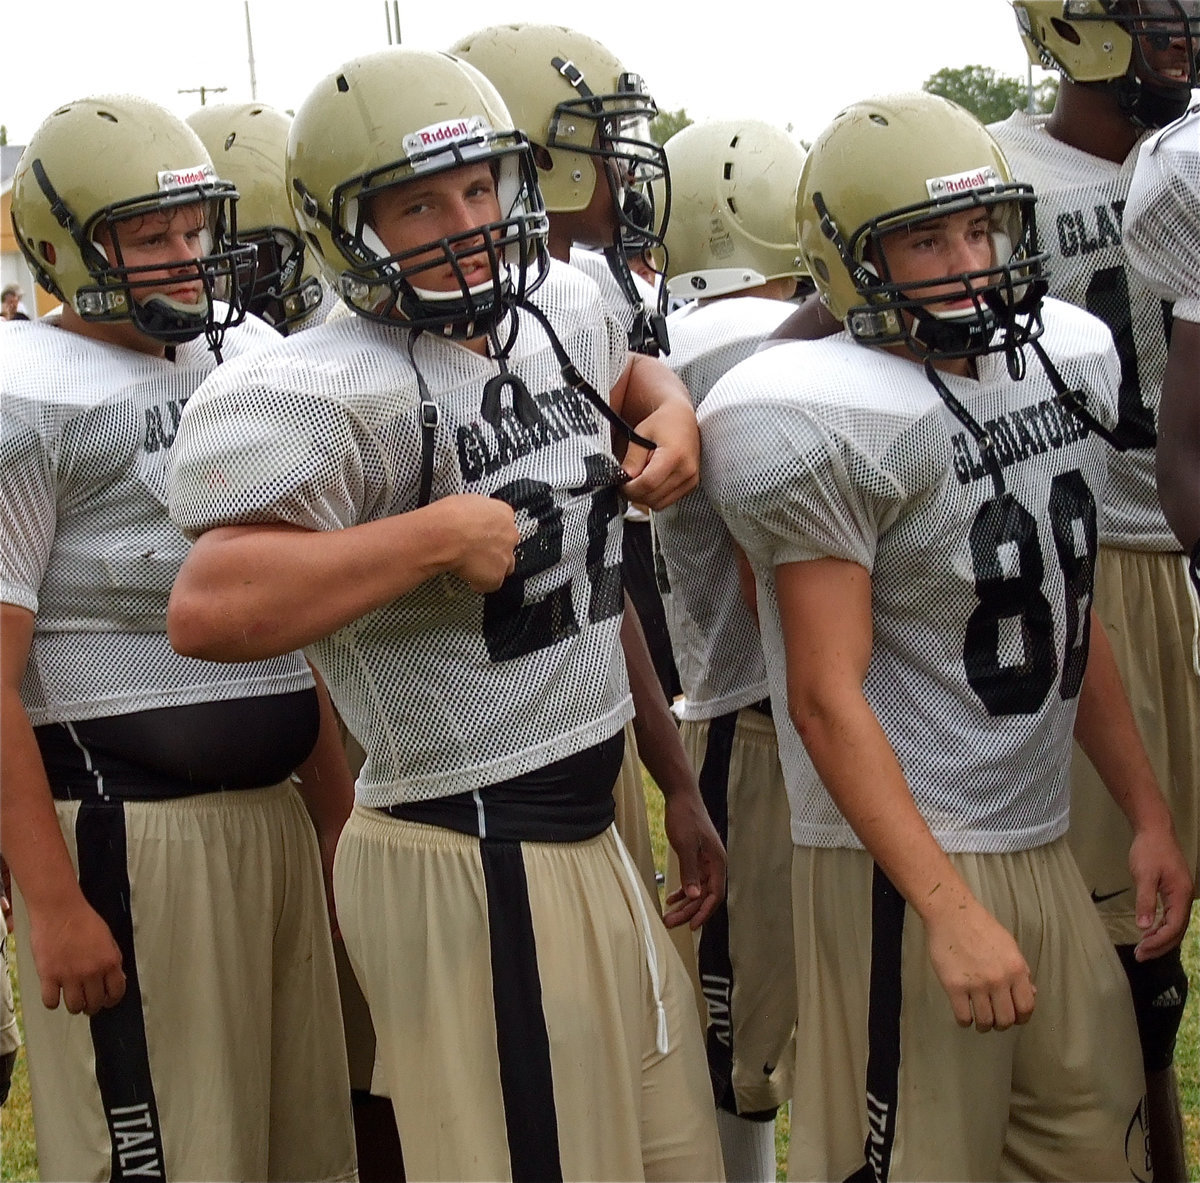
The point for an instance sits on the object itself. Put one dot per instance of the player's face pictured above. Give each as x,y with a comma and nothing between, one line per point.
428,209
1168,55
168,242
948,246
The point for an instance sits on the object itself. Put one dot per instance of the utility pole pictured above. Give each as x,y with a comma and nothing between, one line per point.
250,52
202,91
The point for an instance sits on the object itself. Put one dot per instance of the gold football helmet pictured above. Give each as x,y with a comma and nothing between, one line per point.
387,118
103,161
733,207
587,117
891,163
1105,42
248,146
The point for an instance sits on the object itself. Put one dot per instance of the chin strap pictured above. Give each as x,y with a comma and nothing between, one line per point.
982,438
576,381
431,416
648,334
1075,401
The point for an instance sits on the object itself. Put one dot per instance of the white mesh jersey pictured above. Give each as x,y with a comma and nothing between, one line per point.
1162,218
718,651
1080,206
595,265
445,689
87,545
980,597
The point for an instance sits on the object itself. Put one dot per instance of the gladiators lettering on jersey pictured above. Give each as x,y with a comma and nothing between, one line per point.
162,425
1017,435
483,449
1085,231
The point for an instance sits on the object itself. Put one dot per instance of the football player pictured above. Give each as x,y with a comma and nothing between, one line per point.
588,119
1162,237
918,497
436,473
168,880
248,146
732,250
1126,67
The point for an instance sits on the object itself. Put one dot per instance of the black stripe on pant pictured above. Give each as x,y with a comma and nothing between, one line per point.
522,1040
714,963
883,1029
119,1032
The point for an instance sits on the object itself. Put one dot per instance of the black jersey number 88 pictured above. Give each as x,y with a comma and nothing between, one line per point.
1000,525
513,627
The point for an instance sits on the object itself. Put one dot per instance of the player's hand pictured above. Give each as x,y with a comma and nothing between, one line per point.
672,469
981,968
76,957
487,534
1160,875
6,895
696,844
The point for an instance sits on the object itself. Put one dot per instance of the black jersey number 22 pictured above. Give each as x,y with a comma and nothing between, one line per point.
1011,598
514,625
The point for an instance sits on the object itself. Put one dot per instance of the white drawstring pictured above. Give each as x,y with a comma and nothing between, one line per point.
661,1042
1194,599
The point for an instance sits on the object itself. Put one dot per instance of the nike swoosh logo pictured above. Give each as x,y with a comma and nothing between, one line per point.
1099,899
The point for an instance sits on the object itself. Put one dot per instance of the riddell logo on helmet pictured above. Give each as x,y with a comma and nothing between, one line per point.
980,178
200,174
448,132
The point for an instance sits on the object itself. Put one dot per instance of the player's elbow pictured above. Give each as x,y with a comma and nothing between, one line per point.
826,712
191,626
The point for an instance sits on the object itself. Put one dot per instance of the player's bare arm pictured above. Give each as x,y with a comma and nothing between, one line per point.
74,952
690,830
825,610
1177,453
235,596
650,397
810,322
1107,732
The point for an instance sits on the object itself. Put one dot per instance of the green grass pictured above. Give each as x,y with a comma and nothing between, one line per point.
18,1157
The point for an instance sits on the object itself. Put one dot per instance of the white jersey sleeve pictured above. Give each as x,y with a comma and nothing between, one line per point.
805,478
1162,217
446,689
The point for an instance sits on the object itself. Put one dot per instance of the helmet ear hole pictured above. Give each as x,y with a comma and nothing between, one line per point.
1066,30
46,252
542,158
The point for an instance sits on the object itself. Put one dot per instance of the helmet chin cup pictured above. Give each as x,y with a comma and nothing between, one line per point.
166,319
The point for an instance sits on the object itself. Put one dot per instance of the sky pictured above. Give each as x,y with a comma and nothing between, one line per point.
796,63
